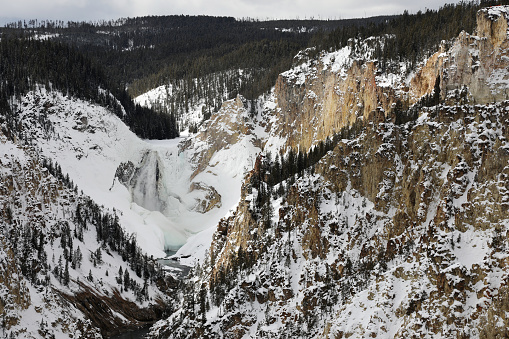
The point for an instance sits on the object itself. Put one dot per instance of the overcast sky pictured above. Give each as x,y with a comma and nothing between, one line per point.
87,10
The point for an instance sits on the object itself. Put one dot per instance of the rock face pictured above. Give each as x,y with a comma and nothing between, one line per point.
474,68
16,295
317,99
125,172
399,231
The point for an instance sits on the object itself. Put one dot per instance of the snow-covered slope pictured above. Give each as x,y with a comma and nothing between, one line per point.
67,268
173,190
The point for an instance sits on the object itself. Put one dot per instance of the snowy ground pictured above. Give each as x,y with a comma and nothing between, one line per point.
89,143
40,205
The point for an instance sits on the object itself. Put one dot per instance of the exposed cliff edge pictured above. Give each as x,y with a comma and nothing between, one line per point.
475,64
399,231
320,96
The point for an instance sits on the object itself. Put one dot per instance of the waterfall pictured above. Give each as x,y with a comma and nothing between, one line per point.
146,183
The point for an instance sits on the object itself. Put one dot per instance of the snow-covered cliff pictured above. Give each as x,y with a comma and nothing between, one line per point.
398,231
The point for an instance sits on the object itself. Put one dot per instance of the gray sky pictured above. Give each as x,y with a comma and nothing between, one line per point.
86,10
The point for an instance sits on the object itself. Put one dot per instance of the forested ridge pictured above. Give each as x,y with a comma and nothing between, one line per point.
158,48
26,63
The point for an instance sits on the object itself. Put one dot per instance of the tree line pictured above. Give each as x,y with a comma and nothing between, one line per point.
26,63
412,36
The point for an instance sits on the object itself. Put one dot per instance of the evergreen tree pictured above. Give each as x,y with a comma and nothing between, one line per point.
120,276
66,278
127,280
202,299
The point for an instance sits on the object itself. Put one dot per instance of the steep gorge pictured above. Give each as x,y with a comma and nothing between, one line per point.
399,231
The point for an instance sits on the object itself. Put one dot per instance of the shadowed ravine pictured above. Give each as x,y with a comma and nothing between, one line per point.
170,265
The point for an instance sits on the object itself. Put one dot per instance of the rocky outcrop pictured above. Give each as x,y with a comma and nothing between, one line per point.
420,207
212,198
113,314
15,296
474,68
223,149
328,100
125,172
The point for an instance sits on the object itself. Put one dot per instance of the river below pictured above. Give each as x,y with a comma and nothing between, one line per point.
134,334
172,265
177,270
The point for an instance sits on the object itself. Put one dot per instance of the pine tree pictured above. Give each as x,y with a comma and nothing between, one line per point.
127,280
120,275
60,269
203,310
66,277
98,255
77,258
